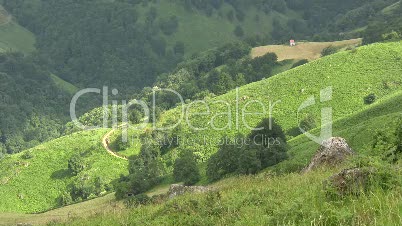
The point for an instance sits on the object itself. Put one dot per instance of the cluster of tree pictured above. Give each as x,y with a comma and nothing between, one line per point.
32,107
83,188
385,27
213,72
248,155
145,171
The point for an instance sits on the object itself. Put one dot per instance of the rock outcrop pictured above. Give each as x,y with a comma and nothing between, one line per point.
332,152
177,190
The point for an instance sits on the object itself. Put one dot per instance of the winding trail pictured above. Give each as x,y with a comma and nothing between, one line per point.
105,143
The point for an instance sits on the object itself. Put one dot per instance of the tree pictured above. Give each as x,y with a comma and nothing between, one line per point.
329,51
76,164
270,140
185,168
239,32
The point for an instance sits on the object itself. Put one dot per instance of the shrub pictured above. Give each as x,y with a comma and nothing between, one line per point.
300,63
137,200
76,164
371,98
388,143
27,155
185,168
65,199
329,51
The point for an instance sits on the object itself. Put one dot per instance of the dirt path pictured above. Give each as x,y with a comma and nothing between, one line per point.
105,143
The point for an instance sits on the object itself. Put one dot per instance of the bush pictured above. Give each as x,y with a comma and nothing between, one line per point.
137,200
185,168
329,51
65,199
371,98
388,143
27,155
76,164
300,63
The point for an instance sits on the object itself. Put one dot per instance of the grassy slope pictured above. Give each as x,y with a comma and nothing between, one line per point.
13,37
358,129
34,185
63,85
244,198
200,32
264,200
352,75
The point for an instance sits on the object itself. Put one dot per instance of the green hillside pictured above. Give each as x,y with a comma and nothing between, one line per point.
35,181
358,129
289,199
352,75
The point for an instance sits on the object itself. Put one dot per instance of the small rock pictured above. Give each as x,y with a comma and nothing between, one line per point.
177,190
332,152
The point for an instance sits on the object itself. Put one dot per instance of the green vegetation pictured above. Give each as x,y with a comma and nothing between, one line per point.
185,168
351,74
36,184
291,199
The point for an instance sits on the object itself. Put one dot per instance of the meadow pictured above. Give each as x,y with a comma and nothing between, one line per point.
34,184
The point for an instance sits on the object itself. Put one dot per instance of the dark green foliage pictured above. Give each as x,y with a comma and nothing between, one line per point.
248,155
27,155
82,188
76,164
145,171
31,107
239,32
385,27
369,99
329,51
92,43
300,63
65,199
170,25
185,168
388,143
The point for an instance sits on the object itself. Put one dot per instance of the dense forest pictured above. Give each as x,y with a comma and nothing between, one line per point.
32,106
